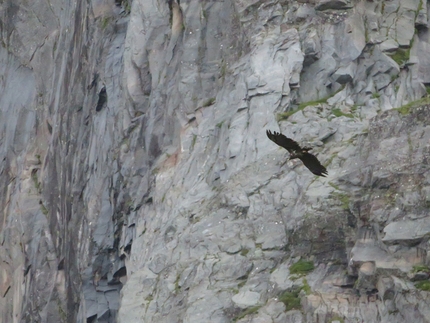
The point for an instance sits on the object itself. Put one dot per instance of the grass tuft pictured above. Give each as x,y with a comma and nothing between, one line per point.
404,110
306,288
423,285
193,143
337,318
285,115
334,186
302,267
312,103
401,56
338,113
418,268
291,299
244,252
105,22
208,102
248,311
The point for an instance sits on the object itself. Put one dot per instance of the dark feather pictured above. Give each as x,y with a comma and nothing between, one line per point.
281,140
313,164
309,160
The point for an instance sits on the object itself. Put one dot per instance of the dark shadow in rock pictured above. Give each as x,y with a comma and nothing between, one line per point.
120,272
102,99
92,319
93,82
61,265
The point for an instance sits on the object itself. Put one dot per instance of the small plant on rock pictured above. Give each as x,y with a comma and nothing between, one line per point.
302,267
291,299
423,285
248,311
418,268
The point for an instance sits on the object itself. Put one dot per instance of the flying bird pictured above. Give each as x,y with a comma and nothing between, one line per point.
310,161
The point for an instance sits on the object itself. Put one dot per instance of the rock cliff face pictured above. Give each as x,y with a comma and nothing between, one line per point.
138,184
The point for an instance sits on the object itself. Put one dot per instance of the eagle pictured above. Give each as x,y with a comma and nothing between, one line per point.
310,161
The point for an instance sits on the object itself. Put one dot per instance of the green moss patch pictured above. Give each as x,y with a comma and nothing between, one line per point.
245,312
43,208
338,113
404,110
334,186
149,298
208,102
401,56
193,143
35,180
423,285
343,199
337,318
302,267
418,268
244,252
306,288
285,115
105,22
291,299
312,103
219,124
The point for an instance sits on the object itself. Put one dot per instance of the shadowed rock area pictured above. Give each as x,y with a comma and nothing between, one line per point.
138,183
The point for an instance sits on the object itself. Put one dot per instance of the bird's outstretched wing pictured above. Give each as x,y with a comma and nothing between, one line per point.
313,164
281,140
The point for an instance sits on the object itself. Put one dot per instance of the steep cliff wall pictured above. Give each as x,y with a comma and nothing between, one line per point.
161,199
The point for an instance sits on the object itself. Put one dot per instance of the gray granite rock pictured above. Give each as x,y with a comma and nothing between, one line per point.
409,230
344,75
170,204
331,4
246,299
390,45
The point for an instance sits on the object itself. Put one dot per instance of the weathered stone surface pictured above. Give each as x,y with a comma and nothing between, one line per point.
367,277
421,20
331,4
167,203
390,45
406,231
246,299
344,74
